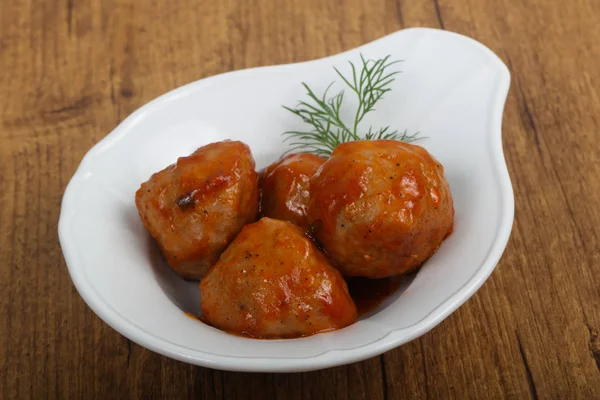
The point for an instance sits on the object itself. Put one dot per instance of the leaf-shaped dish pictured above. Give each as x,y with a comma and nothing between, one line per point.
452,90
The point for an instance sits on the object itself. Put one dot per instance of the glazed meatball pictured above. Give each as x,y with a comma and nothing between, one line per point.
196,207
380,208
272,282
285,186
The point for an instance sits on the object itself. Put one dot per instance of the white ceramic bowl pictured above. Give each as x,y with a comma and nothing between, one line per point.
452,90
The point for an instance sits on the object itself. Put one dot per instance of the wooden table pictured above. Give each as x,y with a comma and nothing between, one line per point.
71,70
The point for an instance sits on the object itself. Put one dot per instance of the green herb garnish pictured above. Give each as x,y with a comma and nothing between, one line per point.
323,113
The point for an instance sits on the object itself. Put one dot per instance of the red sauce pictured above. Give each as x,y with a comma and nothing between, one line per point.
247,335
192,316
368,294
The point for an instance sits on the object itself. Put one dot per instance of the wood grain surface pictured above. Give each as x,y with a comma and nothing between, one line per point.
71,70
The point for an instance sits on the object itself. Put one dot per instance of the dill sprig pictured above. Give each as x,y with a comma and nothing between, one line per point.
323,112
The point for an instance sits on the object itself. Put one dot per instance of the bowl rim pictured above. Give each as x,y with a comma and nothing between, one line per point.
331,357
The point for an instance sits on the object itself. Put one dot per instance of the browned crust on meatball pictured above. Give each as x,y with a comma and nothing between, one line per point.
272,282
285,187
196,207
380,208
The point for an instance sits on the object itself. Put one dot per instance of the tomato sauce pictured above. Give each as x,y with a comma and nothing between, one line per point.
368,294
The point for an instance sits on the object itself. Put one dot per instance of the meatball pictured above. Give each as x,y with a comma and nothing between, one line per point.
380,208
284,187
196,207
272,282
